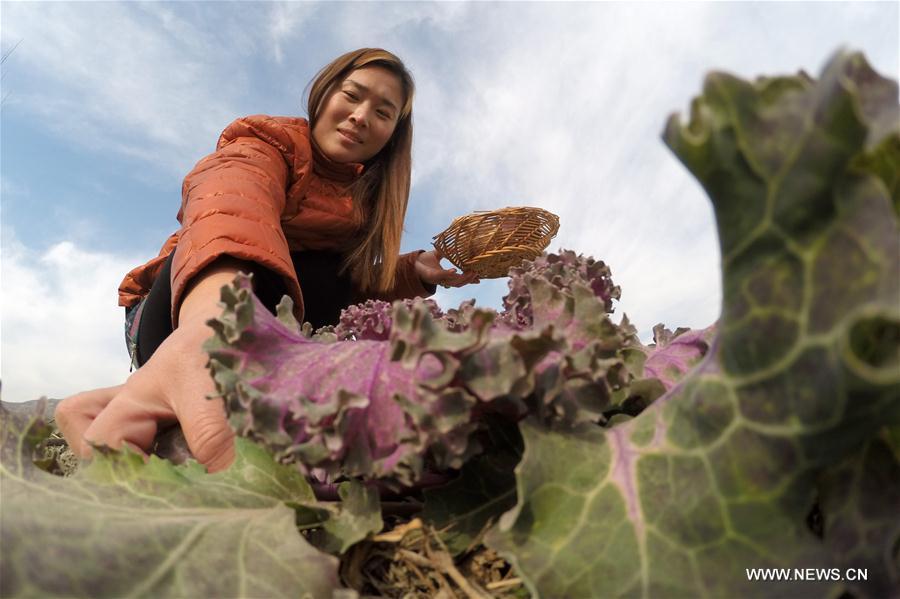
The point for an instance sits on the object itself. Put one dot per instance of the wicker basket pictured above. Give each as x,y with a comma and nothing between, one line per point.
490,243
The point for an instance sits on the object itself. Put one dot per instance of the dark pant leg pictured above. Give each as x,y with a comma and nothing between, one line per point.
155,320
156,317
326,292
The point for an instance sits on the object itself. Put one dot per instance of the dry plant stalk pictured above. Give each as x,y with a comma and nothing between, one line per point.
411,561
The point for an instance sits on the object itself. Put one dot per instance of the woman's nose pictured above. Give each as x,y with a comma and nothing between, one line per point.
358,117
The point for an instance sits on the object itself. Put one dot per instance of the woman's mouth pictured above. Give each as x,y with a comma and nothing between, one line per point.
349,136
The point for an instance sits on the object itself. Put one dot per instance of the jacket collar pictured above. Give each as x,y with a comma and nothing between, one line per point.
325,167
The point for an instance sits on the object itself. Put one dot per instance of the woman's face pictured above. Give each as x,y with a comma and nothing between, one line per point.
360,115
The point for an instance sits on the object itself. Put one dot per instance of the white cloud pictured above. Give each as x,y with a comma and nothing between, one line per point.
385,24
62,330
564,110
285,20
562,106
131,79
12,189
556,105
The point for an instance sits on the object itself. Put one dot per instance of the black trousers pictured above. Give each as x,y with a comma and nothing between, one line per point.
326,292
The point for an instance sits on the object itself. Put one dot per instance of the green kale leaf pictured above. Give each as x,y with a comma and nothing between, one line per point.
122,527
721,473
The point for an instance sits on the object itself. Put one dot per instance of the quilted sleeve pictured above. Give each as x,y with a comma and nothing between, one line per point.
233,199
407,283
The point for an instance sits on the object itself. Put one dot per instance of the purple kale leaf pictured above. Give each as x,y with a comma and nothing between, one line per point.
389,394
335,406
372,320
672,355
561,271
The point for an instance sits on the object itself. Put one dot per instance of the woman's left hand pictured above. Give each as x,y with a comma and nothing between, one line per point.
429,269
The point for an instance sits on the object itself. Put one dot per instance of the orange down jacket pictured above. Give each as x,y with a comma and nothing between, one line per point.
258,197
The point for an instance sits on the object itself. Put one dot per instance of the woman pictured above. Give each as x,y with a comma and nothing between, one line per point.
314,209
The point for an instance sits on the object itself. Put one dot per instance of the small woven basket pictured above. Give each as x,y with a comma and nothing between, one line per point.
490,243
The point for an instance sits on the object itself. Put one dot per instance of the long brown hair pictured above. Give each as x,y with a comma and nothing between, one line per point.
381,194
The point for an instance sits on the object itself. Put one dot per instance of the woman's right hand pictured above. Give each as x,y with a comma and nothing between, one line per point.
172,386
428,267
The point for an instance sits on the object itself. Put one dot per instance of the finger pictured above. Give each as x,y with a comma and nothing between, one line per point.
206,430
130,418
452,274
75,414
204,421
439,276
458,280
459,284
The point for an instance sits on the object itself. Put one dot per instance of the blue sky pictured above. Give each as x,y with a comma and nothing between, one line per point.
560,105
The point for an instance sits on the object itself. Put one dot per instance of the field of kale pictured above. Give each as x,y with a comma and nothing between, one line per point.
543,450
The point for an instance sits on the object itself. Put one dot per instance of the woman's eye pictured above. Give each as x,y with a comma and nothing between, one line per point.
383,114
350,95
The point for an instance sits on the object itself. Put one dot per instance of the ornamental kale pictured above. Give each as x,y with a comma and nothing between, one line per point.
124,527
390,395
597,465
792,410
